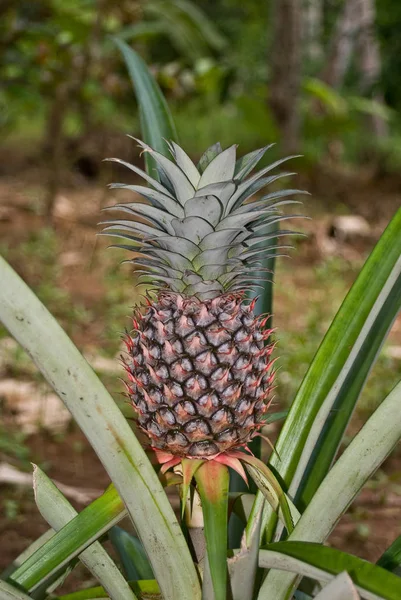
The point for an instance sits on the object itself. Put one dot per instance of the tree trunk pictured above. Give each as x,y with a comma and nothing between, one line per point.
369,63
312,30
91,59
285,73
342,44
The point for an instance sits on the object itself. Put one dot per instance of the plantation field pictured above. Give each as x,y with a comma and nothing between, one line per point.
91,294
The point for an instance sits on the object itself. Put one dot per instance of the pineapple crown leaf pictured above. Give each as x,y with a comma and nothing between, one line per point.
247,163
208,156
201,232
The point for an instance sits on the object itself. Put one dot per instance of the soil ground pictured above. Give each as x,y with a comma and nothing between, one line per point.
79,269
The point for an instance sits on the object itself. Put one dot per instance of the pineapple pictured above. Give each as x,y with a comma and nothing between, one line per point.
199,368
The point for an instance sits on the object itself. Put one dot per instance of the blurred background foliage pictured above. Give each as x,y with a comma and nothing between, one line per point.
322,76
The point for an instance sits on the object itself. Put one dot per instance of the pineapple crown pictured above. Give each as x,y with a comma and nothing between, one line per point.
199,235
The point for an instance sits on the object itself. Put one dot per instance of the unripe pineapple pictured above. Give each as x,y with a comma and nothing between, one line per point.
200,373
199,369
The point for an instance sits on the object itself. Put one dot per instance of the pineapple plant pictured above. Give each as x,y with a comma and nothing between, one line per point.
136,487
223,269
198,359
195,306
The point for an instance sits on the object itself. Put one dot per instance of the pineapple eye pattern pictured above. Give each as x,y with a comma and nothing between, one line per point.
206,403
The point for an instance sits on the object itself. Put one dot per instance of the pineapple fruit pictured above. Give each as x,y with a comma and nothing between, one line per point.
198,362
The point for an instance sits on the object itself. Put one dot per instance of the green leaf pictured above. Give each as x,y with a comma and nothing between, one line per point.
264,304
274,417
57,511
133,558
330,98
322,563
272,490
207,157
141,30
157,124
319,415
107,431
213,480
362,457
391,558
71,540
191,32
144,589
204,25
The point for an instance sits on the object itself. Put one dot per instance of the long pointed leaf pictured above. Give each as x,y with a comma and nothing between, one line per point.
391,558
135,563
145,589
362,324
157,124
72,539
57,511
321,563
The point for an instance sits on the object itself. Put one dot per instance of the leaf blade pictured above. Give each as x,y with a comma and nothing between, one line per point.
157,124
391,558
330,561
91,523
57,511
135,563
